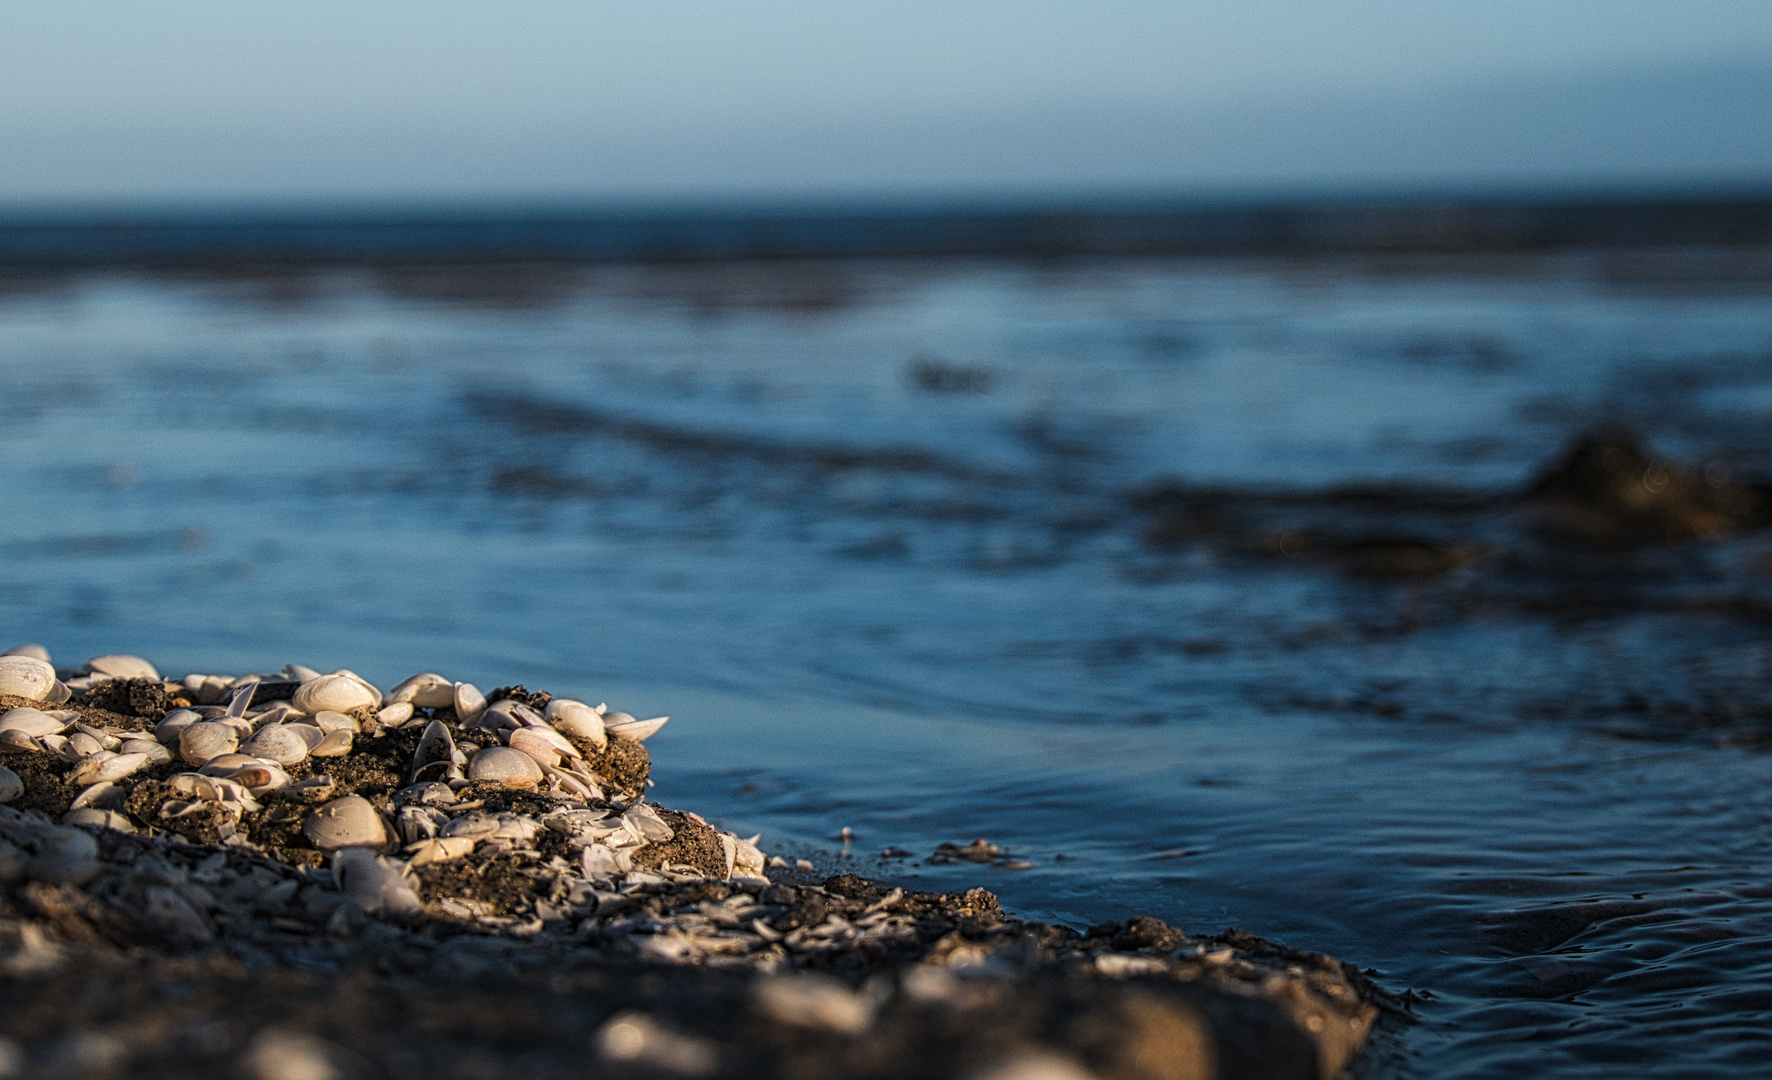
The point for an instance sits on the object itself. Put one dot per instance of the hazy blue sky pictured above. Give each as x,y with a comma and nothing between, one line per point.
104,99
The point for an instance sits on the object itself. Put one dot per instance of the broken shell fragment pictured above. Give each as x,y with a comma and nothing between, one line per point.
506,767
629,728
200,742
333,693
26,677
351,821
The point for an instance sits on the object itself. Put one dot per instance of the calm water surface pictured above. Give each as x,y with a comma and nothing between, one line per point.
879,537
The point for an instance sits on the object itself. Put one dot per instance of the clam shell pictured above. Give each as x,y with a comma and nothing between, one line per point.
333,693
80,745
468,702
155,752
11,787
578,720
200,742
348,822
396,714
122,666
426,691
299,672
279,742
435,746
335,744
26,677
13,741
98,769
105,795
506,767
532,743
33,722
37,651
173,724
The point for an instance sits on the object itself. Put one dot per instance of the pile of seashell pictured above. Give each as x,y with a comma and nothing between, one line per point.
504,810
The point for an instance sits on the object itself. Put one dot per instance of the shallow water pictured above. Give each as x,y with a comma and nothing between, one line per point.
882,538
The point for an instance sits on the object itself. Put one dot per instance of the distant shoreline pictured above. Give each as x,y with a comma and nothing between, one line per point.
191,238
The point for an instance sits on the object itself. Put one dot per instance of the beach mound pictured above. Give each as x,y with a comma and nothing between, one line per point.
296,876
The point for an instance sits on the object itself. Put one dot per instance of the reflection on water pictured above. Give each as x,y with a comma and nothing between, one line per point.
1200,584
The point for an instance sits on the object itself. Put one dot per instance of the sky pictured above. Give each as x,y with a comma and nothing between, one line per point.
105,101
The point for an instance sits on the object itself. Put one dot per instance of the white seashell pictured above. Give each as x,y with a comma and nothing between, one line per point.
235,798
59,694
207,689
376,884
394,715
337,744
91,816
36,651
13,741
68,857
348,822
82,745
173,724
439,849
33,722
468,701
629,728
364,683
150,748
578,720
279,743
99,794
100,770
26,677
258,777
426,691
531,742
122,666
200,742
595,860
729,848
332,693
223,764
299,672
11,787
749,856
436,753
506,767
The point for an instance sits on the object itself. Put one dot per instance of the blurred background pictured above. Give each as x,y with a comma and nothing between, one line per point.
1295,466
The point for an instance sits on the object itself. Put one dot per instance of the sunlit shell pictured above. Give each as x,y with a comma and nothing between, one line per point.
468,702
33,722
436,752
619,723
336,744
332,693
173,724
578,720
36,651
122,666
81,745
99,769
439,849
348,822
13,741
506,767
152,749
200,742
536,746
427,691
396,714
26,677
279,742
